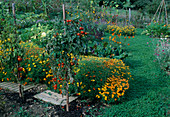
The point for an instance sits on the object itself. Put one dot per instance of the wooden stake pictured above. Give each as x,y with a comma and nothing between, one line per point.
166,14
129,15
67,95
64,17
156,12
18,75
160,11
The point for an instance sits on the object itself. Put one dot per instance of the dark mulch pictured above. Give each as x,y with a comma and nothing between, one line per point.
30,106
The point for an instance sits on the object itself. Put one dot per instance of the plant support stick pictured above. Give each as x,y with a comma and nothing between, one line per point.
18,74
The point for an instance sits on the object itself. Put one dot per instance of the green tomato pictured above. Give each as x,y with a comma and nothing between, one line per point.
15,70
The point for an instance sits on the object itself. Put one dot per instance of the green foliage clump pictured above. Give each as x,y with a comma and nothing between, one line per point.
156,29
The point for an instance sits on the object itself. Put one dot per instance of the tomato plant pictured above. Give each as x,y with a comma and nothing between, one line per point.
10,48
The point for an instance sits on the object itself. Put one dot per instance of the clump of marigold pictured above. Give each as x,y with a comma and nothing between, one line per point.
102,78
116,85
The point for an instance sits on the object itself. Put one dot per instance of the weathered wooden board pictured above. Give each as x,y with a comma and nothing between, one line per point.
14,86
54,98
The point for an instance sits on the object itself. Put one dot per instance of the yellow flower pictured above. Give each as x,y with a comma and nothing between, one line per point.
89,90
92,80
49,82
29,69
43,69
105,98
77,84
34,65
24,69
97,96
61,86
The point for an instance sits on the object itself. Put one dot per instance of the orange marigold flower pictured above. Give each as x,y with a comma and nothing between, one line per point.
128,44
129,37
125,37
133,36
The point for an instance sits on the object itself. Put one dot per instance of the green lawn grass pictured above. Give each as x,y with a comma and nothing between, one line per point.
148,93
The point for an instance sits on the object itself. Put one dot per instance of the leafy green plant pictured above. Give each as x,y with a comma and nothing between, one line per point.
156,29
22,113
2,104
106,49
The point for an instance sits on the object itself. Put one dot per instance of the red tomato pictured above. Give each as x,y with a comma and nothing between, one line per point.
81,28
20,69
55,36
78,34
82,32
19,59
72,63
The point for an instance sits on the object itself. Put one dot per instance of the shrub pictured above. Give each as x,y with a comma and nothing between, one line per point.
102,78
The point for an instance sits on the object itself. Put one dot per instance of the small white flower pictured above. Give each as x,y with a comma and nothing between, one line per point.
43,34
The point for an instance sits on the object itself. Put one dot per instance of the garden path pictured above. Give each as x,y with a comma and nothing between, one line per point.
148,92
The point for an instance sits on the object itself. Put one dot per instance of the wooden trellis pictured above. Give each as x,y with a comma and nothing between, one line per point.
161,9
